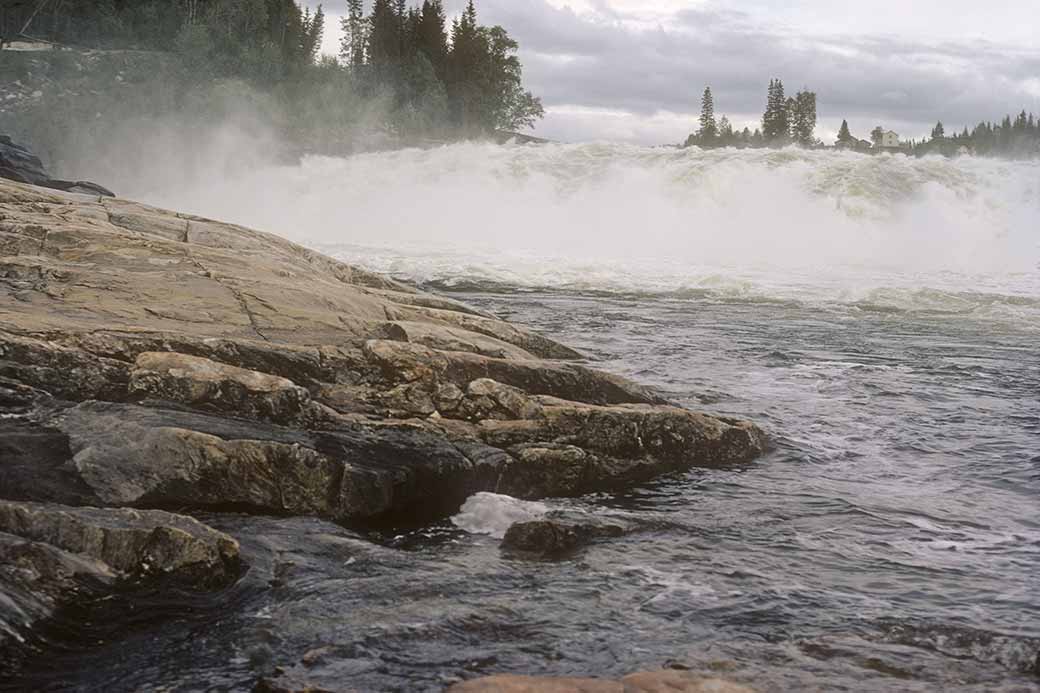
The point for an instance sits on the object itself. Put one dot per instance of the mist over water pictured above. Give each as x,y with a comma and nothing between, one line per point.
877,316
887,232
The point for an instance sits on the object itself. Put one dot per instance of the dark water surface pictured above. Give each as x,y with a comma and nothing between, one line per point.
891,542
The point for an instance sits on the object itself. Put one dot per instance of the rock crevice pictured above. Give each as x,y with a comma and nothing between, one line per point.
152,361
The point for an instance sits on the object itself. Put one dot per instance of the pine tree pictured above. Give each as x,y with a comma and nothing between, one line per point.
803,118
725,131
463,67
769,116
708,130
384,44
310,37
431,37
938,133
354,44
844,136
776,123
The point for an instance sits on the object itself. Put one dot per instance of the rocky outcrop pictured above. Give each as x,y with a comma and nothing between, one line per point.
135,544
52,556
153,359
667,681
554,537
19,164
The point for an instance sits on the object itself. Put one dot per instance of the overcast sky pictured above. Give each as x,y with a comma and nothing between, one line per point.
634,70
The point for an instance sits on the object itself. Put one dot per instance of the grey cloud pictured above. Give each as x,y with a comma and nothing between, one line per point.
605,63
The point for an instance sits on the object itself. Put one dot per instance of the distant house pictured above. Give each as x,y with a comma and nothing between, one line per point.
890,140
854,145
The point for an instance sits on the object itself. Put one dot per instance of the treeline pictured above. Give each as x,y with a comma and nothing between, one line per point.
786,120
402,61
261,40
1017,138
471,79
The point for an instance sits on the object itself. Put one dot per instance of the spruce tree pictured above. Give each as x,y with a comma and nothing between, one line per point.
463,69
384,47
776,123
769,115
354,44
803,118
431,37
938,132
310,38
725,131
844,135
708,130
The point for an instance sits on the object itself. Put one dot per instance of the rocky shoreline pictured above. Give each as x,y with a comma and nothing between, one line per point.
155,364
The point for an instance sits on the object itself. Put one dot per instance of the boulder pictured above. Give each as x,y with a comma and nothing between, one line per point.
552,537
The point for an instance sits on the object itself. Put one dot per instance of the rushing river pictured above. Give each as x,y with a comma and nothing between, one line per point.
879,316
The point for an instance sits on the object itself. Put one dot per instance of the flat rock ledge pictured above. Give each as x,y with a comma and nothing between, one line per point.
150,359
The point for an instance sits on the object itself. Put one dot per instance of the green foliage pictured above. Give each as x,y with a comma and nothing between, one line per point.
1012,138
399,56
803,118
475,81
709,129
431,37
354,44
776,125
844,136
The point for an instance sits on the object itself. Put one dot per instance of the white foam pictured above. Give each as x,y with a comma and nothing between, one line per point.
493,513
872,231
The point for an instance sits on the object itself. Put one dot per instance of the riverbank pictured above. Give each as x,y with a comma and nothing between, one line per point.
152,360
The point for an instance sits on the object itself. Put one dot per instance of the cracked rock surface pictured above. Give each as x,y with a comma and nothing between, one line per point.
155,360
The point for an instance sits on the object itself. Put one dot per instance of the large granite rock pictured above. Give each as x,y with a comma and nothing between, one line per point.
153,359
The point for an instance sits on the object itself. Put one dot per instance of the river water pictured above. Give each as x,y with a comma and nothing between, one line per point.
878,316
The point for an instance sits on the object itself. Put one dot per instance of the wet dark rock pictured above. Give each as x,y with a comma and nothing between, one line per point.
136,544
163,360
53,556
551,537
157,360
644,682
19,164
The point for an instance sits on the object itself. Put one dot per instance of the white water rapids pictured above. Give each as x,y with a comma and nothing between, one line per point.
885,232
877,316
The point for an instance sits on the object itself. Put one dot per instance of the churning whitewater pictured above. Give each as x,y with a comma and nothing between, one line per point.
879,315
876,232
